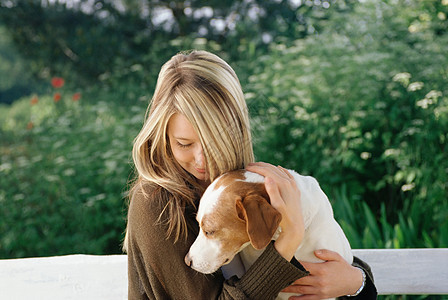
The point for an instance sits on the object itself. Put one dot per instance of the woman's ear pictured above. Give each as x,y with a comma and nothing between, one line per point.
261,219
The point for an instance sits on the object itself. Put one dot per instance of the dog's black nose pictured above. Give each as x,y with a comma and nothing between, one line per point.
188,260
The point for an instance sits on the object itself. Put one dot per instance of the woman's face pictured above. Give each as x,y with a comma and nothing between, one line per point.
186,146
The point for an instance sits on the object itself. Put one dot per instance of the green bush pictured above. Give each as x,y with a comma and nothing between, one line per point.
64,169
363,113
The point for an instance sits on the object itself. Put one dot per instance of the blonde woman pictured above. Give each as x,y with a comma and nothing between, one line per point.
196,128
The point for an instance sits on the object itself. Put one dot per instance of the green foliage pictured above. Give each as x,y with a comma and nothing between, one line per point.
15,80
355,109
64,170
68,42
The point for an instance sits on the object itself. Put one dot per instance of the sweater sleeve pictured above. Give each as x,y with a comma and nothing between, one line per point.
156,267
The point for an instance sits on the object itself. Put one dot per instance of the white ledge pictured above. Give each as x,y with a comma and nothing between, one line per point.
396,271
64,277
408,271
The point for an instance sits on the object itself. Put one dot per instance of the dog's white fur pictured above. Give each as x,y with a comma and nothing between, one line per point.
224,232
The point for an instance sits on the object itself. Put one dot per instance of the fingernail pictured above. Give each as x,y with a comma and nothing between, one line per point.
318,252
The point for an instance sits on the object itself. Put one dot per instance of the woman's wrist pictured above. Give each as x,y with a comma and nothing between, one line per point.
362,284
287,244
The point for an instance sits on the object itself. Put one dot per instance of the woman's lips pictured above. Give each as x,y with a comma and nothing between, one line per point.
200,170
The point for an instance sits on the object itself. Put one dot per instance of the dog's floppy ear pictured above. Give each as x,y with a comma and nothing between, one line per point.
261,219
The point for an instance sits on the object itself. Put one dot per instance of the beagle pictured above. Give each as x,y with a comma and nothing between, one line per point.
235,216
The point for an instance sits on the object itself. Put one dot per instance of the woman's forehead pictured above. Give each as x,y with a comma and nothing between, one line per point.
180,128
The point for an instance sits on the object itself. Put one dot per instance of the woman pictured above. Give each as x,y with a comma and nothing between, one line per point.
196,128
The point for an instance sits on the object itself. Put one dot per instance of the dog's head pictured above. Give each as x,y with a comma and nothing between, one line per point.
233,211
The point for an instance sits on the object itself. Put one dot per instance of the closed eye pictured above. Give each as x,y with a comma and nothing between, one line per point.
183,145
209,233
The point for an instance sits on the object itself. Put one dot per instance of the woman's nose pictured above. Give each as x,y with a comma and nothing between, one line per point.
199,157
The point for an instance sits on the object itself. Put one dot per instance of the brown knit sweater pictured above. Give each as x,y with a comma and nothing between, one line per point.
156,267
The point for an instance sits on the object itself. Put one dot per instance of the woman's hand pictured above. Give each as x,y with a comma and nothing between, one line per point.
333,278
285,198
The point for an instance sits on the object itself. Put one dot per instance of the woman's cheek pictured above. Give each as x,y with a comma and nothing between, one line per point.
182,156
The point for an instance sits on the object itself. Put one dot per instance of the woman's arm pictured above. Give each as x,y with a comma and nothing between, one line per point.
157,269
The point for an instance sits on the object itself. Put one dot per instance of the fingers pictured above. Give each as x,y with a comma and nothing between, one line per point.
286,172
315,269
273,192
282,178
300,289
267,170
319,268
303,292
309,281
313,287
327,255
305,297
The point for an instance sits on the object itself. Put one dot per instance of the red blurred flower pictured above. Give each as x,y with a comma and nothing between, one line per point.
57,97
34,100
76,96
30,125
57,82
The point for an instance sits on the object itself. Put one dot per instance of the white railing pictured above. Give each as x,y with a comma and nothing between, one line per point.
396,271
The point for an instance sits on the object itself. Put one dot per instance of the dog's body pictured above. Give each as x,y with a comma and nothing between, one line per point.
235,217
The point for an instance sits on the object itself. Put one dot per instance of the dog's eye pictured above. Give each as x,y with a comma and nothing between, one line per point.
209,233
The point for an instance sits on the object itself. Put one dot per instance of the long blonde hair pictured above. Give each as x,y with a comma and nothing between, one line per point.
205,89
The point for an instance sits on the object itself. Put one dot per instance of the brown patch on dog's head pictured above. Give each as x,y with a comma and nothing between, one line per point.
262,220
247,202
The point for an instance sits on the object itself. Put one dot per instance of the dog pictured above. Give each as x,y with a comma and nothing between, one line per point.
235,216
